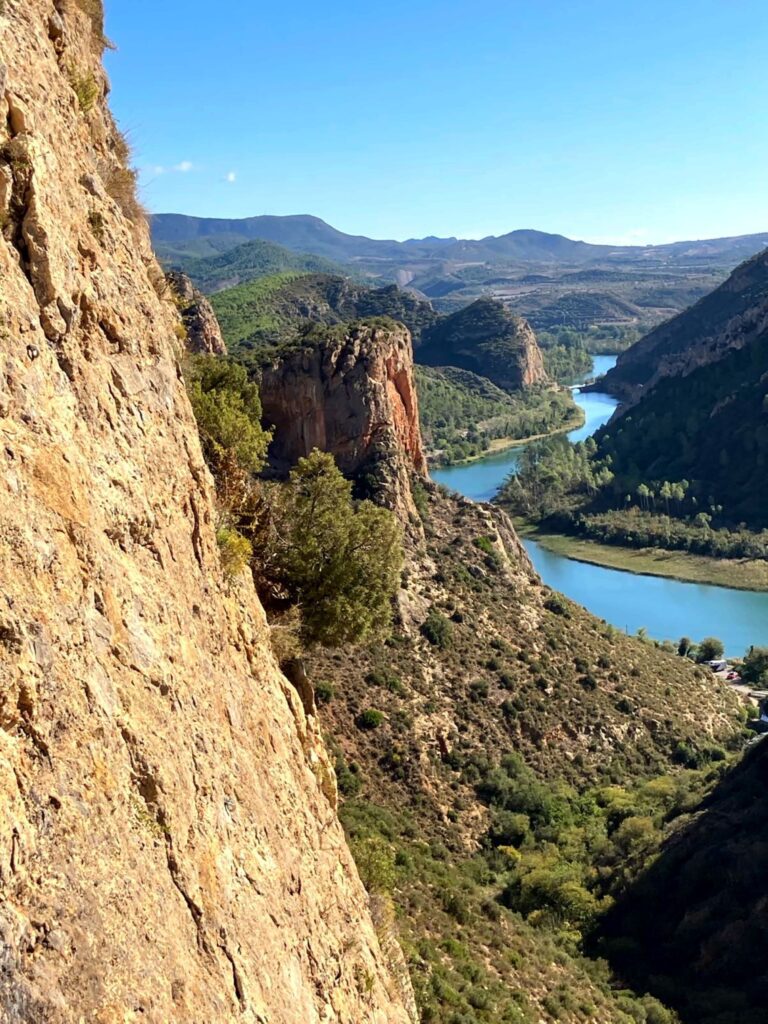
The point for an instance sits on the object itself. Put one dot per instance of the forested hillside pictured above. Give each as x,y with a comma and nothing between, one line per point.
694,925
246,263
684,463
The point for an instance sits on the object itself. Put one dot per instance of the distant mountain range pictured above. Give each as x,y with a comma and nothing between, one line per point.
555,282
178,234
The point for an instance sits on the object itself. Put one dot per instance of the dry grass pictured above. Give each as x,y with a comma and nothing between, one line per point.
121,185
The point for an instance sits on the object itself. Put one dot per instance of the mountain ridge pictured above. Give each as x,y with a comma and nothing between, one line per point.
303,231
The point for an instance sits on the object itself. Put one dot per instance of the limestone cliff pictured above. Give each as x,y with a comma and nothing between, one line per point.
349,390
166,850
198,318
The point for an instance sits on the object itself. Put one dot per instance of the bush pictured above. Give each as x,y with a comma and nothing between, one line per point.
558,605
710,649
370,719
324,692
234,551
227,408
755,667
121,185
341,560
85,89
437,630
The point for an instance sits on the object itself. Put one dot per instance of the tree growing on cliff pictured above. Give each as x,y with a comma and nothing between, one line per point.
227,408
340,559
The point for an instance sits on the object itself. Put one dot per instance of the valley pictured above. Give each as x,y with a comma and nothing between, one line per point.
627,595
296,725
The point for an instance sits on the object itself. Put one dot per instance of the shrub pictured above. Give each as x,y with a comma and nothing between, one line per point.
96,224
558,605
227,408
755,667
121,185
324,692
234,551
85,89
341,560
370,719
437,630
710,649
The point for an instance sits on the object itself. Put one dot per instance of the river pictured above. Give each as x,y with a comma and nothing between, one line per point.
667,608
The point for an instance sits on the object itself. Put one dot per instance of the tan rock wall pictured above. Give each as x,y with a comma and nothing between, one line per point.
166,850
351,394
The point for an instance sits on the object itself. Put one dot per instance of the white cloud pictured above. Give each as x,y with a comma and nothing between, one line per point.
231,177
181,168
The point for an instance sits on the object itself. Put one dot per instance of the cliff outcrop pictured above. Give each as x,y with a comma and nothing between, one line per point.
488,340
197,316
349,390
167,852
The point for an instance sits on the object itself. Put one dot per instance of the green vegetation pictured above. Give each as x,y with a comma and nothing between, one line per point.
341,559
248,262
85,88
571,488
461,414
484,338
742,574
235,551
309,544
272,310
754,669
370,719
227,408
567,350
691,927
437,629
499,803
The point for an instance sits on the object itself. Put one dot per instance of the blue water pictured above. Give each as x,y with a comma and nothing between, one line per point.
667,608
481,480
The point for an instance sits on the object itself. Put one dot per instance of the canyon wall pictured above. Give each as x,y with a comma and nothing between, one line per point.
168,851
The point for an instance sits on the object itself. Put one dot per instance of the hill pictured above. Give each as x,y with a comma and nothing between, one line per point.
694,926
553,281
483,338
488,340
727,318
182,234
699,385
247,262
268,311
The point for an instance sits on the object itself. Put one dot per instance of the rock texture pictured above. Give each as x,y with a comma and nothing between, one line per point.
349,390
728,319
486,339
167,852
198,318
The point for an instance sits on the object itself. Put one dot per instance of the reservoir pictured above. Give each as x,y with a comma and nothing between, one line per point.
667,608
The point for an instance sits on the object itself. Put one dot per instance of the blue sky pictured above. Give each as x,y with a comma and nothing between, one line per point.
610,120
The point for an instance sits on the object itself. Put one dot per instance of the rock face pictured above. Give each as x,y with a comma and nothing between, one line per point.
488,340
167,852
198,318
349,390
728,319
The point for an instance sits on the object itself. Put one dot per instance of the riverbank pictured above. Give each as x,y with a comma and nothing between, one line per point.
736,574
503,444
